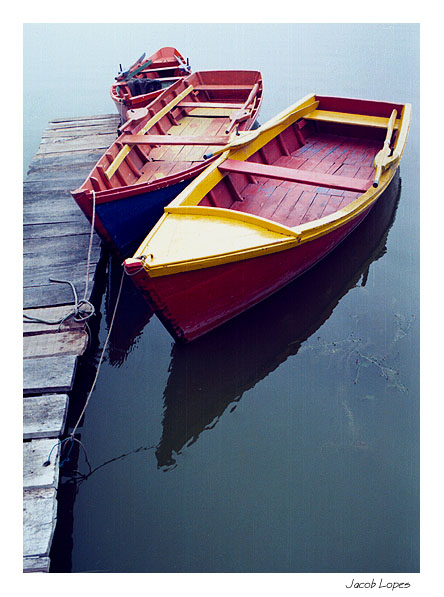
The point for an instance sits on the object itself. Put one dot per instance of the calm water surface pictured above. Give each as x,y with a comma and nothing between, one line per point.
288,439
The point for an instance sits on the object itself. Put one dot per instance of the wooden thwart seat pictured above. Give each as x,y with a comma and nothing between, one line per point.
214,105
211,87
345,118
300,176
175,140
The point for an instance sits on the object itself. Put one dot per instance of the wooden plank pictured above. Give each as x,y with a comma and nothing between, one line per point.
49,374
36,564
210,113
212,105
202,126
212,87
52,249
65,229
60,343
49,314
51,212
44,416
316,208
78,131
98,117
39,275
57,163
42,181
46,295
300,176
175,140
345,118
39,518
35,454
79,143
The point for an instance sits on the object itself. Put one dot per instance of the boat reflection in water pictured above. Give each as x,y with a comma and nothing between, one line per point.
132,315
210,374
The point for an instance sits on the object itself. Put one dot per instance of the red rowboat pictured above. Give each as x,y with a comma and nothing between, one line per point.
146,79
162,148
272,205
265,335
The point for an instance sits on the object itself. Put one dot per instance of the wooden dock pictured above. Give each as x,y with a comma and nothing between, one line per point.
55,245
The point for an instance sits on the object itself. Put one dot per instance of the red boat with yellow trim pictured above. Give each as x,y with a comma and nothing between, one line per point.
161,148
276,201
146,79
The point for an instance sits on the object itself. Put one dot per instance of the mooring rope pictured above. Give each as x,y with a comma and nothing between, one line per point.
80,314
101,356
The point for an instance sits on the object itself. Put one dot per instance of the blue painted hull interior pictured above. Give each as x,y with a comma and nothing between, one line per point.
129,220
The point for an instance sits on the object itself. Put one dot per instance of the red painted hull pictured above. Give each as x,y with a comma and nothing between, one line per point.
192,303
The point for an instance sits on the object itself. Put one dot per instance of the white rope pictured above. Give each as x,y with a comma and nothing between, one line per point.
78,316
77,313
91,236
101,357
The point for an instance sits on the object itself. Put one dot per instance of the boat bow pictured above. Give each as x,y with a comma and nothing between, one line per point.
191,237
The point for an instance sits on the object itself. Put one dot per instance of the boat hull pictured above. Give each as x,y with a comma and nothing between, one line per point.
193,303
168,59
122,222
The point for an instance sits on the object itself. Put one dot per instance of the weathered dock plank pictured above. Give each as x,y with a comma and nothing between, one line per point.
36,564
41,181
56,238
46,314
44,416
35,474
39,519
47,345
53,294
56,162
48,374
31,231
76,143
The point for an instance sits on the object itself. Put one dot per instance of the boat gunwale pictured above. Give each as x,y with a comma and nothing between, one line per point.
295,235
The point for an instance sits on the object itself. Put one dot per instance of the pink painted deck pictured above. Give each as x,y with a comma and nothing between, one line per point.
309,181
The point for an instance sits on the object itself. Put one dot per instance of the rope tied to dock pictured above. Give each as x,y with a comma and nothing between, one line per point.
79,313
83,309
71,437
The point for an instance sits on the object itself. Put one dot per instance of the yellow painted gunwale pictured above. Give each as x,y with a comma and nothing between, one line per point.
186,202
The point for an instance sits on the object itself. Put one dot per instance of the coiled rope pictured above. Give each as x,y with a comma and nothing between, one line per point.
78,313
83,309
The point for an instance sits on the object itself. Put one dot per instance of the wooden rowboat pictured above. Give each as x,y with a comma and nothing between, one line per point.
161,149
146,79
272,205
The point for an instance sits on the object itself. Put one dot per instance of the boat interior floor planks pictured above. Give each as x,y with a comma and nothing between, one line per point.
167,159
284,202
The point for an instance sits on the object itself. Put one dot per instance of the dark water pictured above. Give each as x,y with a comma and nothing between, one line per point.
288,439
